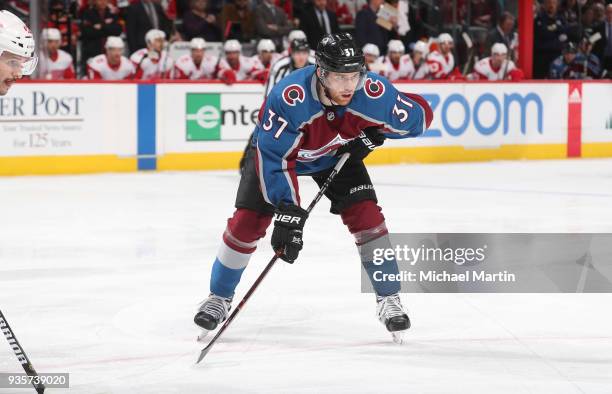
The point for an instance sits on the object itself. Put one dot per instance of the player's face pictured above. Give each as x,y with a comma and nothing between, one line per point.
417,56
113,55
300,58
10,70
446,47
569,57
233,57
265,57
369,59
341,86
395,57
157,44
497,59
197,55
53,45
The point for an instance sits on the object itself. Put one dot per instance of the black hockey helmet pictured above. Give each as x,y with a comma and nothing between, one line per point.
299,45
570,47
339,53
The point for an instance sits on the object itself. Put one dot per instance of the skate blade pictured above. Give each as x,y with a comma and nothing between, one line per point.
202,335
398,337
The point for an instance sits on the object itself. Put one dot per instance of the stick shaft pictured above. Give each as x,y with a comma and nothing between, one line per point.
272,261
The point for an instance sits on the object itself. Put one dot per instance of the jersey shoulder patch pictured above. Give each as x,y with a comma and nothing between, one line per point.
293,94
373,86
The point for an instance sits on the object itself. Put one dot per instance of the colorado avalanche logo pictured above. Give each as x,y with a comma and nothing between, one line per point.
374,89
293,94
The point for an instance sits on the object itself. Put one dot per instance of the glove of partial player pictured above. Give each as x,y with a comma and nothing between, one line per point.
287,235
360,147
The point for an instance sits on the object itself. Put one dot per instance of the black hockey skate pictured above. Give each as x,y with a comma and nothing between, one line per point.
393,316
211,313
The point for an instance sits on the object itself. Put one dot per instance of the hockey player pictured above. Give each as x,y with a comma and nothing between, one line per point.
16,51
55,63
112,65
441,62
573,64
371,54
295,35
197,64
234,66
310,117
299,57
153,61
396,64
497,67
419,62
263,60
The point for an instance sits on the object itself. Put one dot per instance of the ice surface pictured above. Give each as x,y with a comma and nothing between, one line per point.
100,276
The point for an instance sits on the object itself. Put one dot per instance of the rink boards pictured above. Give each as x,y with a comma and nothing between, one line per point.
84,127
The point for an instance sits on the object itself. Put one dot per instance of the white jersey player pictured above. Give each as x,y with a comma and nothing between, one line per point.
153,61
54,63
373,61
16,51
496,67
112,65
263,60
441,61
397,65
234,66
197,64
419,62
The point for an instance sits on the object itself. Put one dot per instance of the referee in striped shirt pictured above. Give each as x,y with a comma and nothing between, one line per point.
299,56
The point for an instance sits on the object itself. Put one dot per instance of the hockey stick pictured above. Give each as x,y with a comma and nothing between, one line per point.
21,356
263,274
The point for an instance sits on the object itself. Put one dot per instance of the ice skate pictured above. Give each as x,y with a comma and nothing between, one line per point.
212,311
391,313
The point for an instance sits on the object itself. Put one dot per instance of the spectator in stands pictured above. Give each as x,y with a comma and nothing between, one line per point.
497,67
397,65
271,22
59,18
197,64
589,24
237,21
234,66
366,28
112,65
198,23
483,12
98,22
550,34
573,64
54,63
504,33
317,21
600,12
441,62
607,41
153,61
569,11
419,60
371,54
141,17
